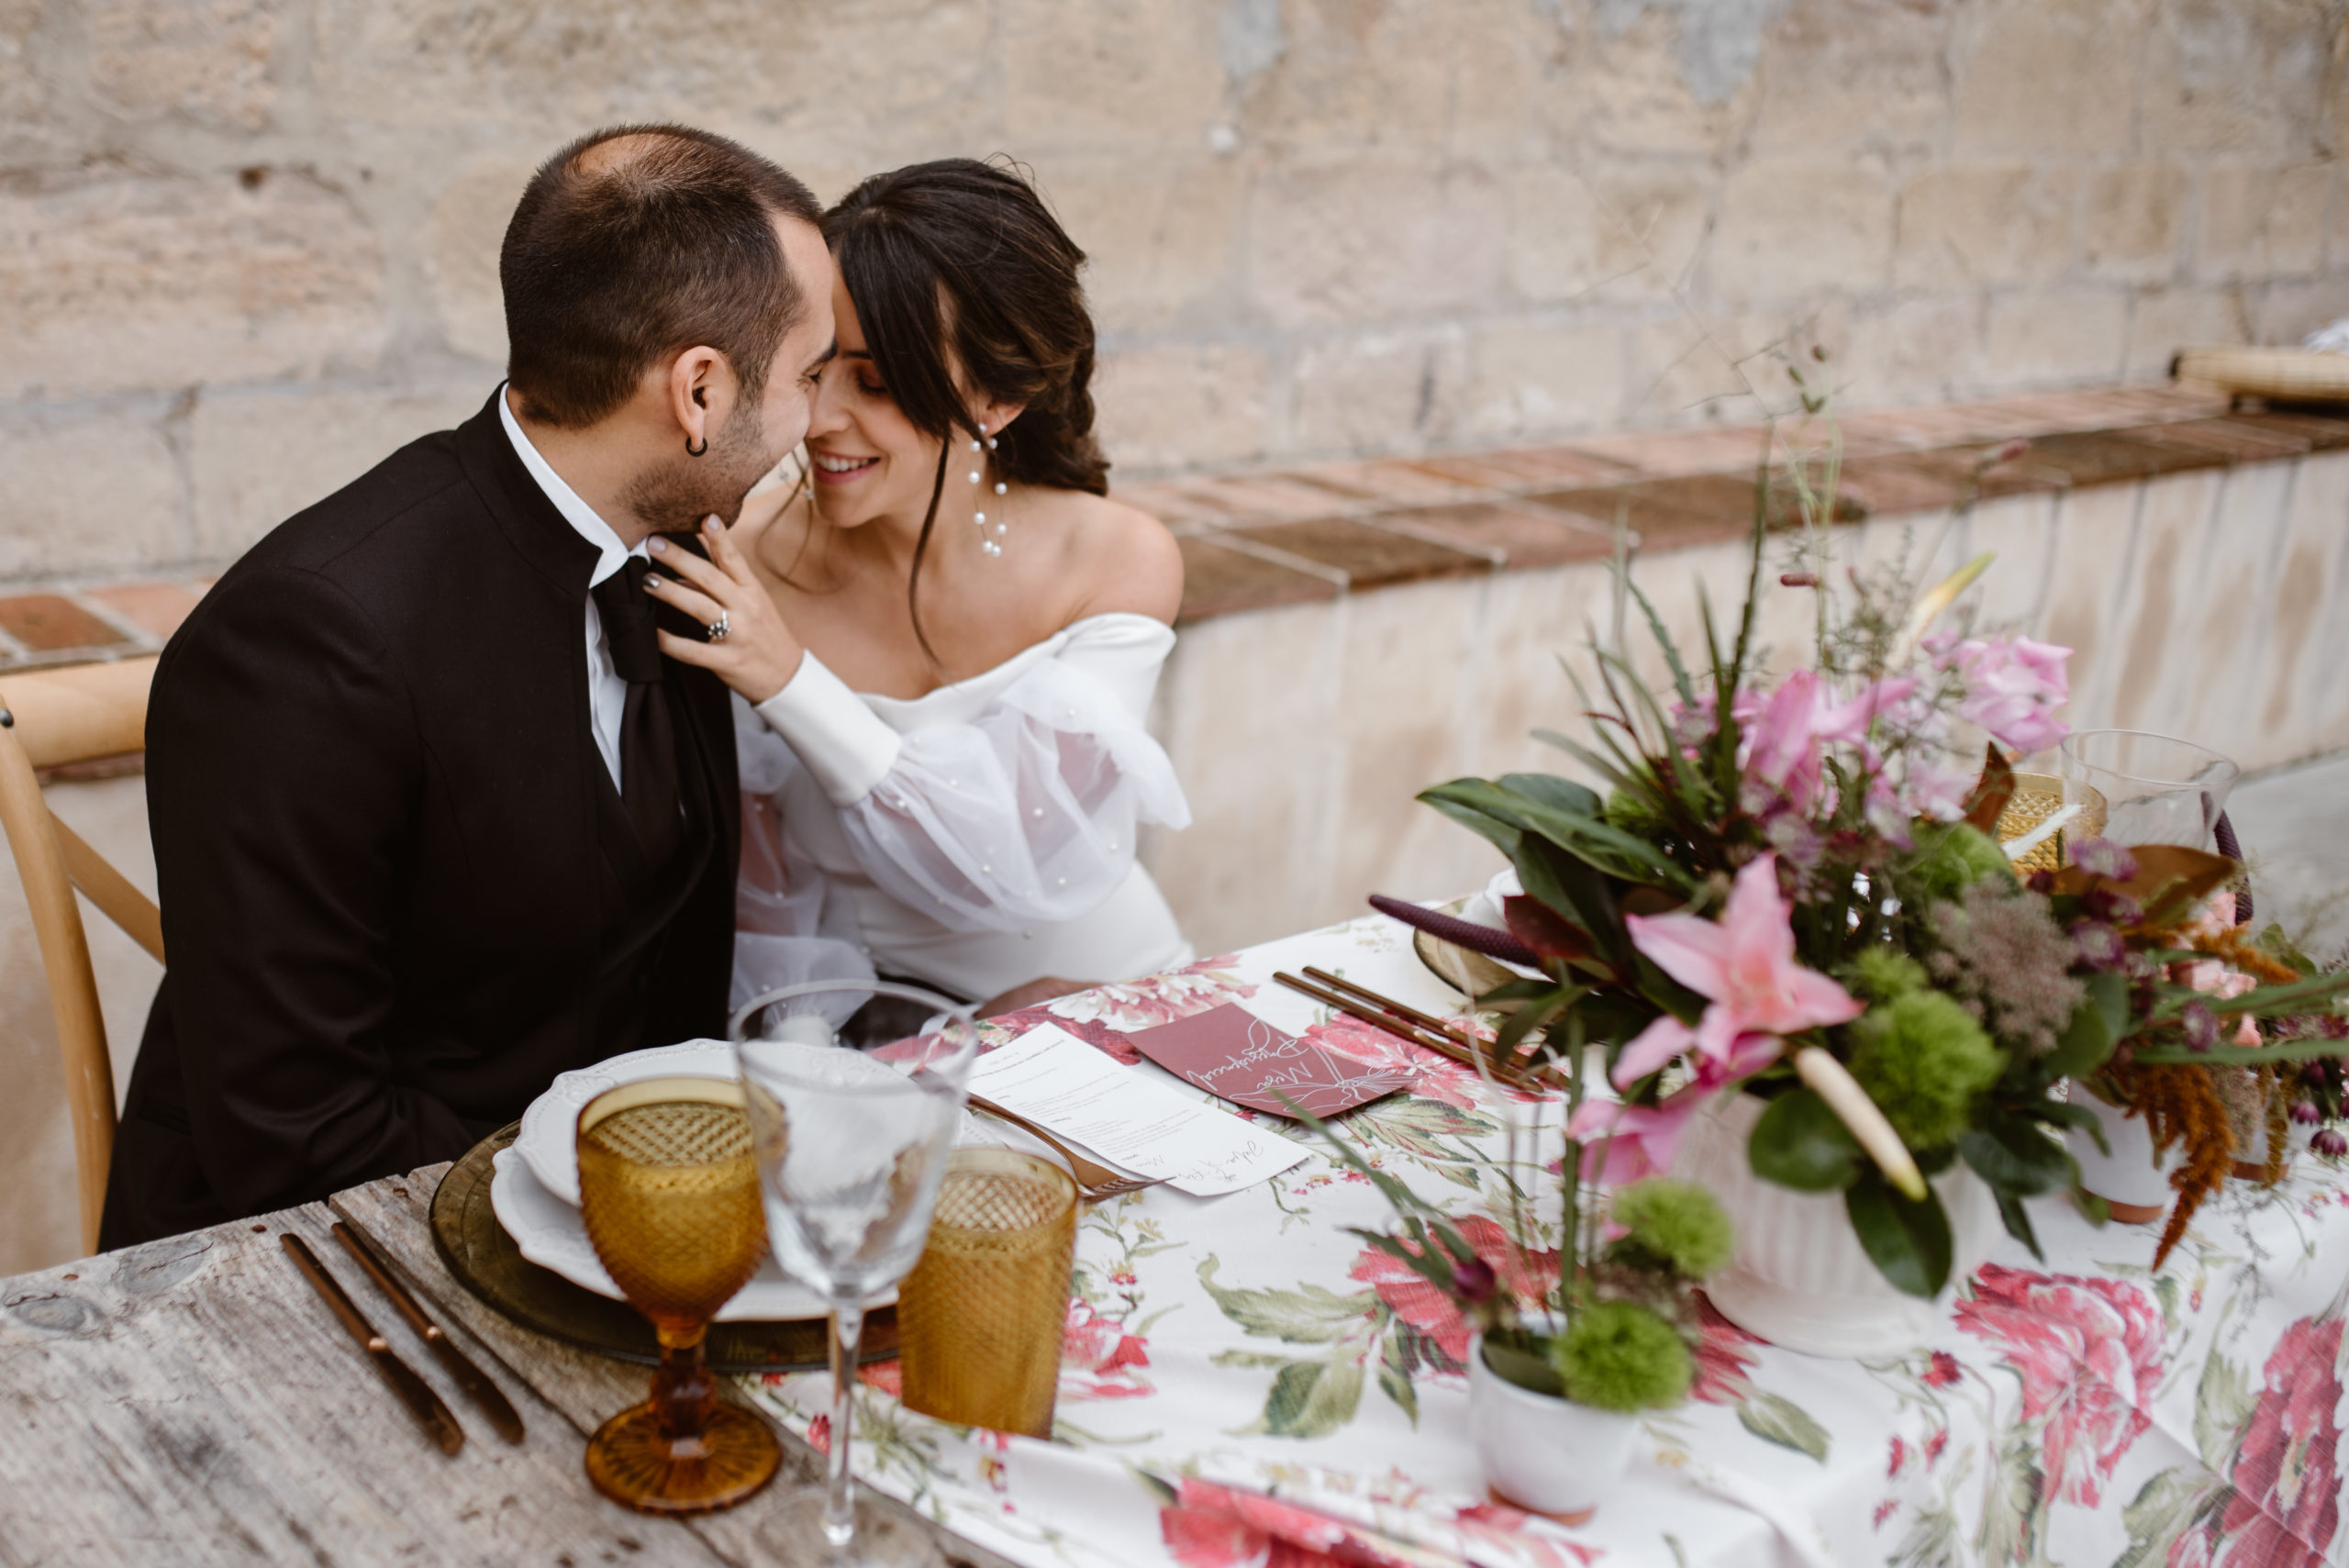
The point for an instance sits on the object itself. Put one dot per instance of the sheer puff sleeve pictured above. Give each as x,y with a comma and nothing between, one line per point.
1023,814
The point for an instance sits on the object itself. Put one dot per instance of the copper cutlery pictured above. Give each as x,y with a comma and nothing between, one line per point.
1095,1180
414,1392
1408,1023
469,1377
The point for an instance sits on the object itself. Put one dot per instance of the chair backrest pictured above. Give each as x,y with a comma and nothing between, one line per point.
48,719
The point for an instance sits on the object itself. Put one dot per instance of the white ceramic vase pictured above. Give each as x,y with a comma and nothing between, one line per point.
1542,1452
2133,1185
1800,1278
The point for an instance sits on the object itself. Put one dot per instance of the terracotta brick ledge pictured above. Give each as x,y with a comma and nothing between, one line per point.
1285,535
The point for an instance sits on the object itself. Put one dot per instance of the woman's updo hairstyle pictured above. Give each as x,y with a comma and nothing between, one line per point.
959,264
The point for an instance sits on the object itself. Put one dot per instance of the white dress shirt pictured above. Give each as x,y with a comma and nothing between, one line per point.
606,693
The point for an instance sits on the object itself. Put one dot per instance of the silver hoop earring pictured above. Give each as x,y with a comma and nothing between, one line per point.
983,444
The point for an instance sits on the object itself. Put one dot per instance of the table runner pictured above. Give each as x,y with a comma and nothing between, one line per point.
2080,1410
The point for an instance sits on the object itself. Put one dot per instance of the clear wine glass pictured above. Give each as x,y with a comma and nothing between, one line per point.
2152,789
856,1090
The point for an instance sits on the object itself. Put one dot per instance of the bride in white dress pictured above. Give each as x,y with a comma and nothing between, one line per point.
943,640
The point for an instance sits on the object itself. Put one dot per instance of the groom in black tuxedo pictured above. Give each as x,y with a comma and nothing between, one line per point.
434,819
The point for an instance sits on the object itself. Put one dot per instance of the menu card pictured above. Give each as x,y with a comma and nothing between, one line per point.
1235,1055
1052,1077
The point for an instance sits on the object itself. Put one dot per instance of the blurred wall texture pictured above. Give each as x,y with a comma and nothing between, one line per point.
249,246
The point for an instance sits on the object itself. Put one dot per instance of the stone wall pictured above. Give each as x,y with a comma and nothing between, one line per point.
248,246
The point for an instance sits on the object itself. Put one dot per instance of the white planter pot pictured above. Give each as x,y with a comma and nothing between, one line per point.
2128,1179
1800,1278
1540,1452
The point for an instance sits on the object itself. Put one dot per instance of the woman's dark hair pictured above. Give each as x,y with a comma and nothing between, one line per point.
958,265
635,243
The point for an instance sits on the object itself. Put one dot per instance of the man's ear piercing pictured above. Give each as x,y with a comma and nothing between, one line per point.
692,451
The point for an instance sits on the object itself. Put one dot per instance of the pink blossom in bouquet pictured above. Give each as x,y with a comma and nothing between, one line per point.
1744,964
1778,750
1851,720
1779,747
1933,787
2013,686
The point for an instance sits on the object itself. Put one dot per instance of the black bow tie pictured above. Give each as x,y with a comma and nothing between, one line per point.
648,738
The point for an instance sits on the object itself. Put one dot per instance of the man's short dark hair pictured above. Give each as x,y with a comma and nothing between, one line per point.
635,243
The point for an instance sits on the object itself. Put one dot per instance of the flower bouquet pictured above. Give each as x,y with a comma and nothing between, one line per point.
1785,897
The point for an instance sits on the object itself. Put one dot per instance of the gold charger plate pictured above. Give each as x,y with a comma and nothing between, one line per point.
485,1260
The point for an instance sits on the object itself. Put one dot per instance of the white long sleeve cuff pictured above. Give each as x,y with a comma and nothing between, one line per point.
843,744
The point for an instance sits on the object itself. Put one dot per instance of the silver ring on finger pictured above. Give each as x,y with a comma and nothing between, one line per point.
716,630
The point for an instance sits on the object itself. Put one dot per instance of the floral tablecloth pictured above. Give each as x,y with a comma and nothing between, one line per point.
1221,1353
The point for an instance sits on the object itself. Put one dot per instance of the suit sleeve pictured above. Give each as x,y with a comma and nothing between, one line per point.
283,767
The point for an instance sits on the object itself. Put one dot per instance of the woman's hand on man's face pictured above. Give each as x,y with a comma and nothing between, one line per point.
757,656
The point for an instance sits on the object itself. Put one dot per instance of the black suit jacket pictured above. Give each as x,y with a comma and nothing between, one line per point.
376,805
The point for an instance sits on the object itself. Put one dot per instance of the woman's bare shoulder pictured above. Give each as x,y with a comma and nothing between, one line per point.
1118,558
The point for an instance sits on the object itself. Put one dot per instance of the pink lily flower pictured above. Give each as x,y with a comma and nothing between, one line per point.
1780,746
1744,965
1851,720
1623,1143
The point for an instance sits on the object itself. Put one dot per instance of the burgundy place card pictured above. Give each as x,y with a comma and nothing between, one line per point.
1237,1056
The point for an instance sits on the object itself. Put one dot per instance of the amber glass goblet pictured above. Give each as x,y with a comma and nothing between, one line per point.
669,1188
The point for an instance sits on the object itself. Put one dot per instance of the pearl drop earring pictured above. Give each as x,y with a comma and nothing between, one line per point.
985,443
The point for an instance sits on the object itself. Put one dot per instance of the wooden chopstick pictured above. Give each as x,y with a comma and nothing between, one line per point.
1521,1067
1389,1003
1442,1044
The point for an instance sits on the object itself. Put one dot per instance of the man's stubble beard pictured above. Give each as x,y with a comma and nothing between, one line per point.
676,497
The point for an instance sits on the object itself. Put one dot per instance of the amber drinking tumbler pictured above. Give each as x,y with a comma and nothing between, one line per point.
980,1318
669,1188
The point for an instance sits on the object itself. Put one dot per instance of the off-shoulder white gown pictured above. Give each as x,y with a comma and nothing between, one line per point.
975,838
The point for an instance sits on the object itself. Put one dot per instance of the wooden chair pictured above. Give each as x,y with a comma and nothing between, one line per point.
52,717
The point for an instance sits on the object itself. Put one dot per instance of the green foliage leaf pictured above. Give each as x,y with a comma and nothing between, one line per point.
1775,1419
2056,1113
2097,1025
2017,1220
1523,1365
1800,1142
1582,834
2277,944
1548,789
1908,1242
1680,682
2016,1158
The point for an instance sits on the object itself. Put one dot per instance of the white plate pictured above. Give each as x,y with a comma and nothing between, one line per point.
550,1234
549,1142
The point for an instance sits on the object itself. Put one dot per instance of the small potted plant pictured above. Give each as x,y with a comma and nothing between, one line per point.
1559,1375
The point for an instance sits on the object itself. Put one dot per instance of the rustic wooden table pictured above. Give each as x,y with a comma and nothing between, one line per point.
193,1401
